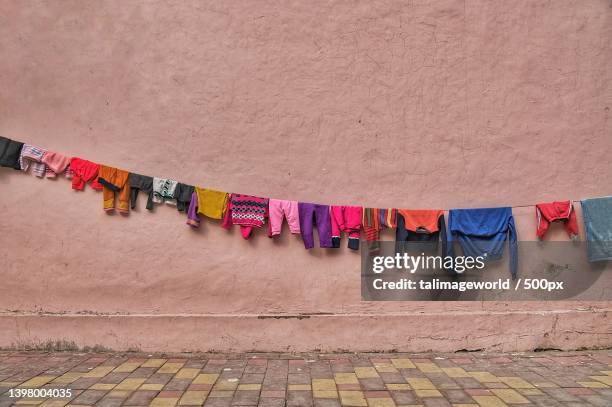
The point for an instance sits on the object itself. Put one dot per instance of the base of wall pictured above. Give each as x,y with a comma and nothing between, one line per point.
410,332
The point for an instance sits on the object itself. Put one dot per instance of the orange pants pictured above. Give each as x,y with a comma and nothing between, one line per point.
115,180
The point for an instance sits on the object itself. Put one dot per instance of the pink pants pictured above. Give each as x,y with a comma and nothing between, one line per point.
277,209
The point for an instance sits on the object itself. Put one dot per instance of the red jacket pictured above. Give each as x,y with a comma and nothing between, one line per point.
555,211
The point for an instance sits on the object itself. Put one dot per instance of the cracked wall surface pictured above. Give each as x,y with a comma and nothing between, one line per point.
386,103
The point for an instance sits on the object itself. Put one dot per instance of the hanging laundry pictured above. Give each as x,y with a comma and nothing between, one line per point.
417,225
193,219
10,150
246,211
114,181
346,219
31,156
277,209
310,213
374,219
84,171
546,213
211,203
163,190
43,163
182,194
483,232
141,183
56,163
207,202
597,213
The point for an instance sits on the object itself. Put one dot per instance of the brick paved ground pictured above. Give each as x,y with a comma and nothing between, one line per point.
322,380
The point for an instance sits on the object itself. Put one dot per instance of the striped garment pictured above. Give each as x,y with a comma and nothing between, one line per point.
377,218
32,156
373,221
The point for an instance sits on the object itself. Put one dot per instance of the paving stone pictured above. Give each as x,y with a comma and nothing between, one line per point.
206,378
109,402
372,384
89,397
256,378
366,372
468,383
398,386
84,383
560,395
218,402
298,378
436,402
273,393
177,384
352,398
114,377
510,396
245,398
326,403
489,401
249,386
299,399
272,402
141,398
457,396
598,401
404,397
376,380
394,377
381,402
428,393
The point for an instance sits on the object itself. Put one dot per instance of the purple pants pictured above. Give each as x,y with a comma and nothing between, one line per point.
309,213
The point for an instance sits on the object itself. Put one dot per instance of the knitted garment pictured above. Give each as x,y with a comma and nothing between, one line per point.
248,210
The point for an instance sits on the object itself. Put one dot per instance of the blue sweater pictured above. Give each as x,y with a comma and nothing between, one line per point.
483,232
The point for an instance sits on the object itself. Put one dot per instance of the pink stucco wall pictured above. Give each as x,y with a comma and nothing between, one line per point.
380,103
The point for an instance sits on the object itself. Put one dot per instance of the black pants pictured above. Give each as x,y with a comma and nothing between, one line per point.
141,183
182,194
10,150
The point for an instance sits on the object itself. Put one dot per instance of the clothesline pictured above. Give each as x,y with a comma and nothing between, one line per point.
532,205
495,225
516,206
37,169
